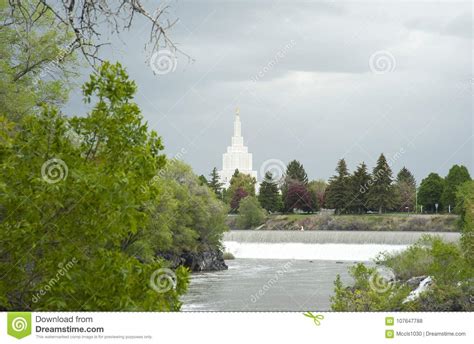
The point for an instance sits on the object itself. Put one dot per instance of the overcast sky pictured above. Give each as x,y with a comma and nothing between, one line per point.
314,81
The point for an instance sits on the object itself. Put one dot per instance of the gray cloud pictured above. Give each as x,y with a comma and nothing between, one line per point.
318,100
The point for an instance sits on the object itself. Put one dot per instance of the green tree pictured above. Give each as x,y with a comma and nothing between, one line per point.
296,172
187,217
251,214
445,263
269,195
457,175
76,189
430,192
313,194
364,296
203,180
381,195
37,61
215,183
359,183
339,188
405,189
465,207
318,188
240,181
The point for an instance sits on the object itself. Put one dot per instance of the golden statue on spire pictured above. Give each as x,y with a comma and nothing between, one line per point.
237,111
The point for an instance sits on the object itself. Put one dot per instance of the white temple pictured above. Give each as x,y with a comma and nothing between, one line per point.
237,156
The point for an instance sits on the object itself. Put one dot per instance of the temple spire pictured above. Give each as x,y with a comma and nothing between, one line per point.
237,124
237,155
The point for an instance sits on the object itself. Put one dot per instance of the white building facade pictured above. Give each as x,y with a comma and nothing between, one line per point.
237,156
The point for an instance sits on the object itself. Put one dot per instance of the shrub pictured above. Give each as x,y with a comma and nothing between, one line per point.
451,272
228,256
414,261
371,292
251,213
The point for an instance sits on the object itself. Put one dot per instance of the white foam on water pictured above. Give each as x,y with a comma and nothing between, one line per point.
343,252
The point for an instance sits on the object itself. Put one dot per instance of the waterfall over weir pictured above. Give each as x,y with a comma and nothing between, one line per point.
321,245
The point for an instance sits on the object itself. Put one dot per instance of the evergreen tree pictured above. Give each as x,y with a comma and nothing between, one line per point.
296,172
406,176
457,175
359,183
338,191
202,180
405,189
269,197
430,192
381,194
215,183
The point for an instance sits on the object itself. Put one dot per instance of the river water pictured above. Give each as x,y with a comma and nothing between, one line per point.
288,271
265,285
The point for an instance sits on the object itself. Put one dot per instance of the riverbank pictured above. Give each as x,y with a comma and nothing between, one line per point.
366,222
206,259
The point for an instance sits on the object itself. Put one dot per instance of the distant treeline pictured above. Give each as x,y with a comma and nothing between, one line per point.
347,193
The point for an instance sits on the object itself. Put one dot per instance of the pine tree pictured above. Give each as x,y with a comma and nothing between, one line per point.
269,197
381,194
405,189
405,176
457,175
295,171
360,181
338,191
215,183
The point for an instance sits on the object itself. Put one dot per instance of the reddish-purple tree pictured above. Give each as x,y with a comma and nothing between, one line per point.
298,197
239,194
